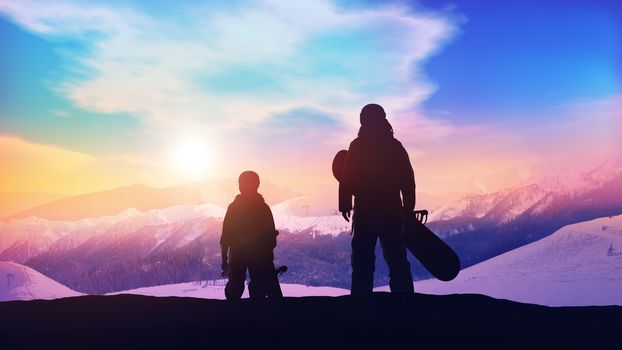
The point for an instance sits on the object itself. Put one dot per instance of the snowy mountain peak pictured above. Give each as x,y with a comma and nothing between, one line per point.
19,282
325,224
506,204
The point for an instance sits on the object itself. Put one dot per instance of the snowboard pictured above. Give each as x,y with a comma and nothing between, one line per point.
431,251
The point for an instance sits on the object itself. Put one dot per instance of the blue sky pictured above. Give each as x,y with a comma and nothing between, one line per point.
527,56
266,83
31,106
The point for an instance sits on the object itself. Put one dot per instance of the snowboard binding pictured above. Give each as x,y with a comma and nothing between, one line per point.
421,216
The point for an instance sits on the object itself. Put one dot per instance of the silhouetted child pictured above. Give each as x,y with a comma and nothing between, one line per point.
247,242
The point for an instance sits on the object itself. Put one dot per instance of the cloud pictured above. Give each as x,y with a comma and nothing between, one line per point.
302,132
290,146
221,69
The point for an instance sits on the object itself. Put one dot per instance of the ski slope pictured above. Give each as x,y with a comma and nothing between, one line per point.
579,265
202,289
19,282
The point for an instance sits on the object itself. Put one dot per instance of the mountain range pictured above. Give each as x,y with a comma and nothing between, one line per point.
485,225
579,265
134,248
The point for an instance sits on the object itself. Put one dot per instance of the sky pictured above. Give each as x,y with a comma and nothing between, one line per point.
99,94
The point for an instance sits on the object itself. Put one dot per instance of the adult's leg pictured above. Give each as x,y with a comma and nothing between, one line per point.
394,252
363,258
237,275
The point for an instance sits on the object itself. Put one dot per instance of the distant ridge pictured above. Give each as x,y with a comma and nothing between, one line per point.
144,198
15,202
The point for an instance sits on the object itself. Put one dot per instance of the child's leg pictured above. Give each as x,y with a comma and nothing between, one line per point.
237,276
257,285
274,289
264,281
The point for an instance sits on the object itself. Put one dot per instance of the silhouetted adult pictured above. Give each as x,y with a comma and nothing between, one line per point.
247,242
377,169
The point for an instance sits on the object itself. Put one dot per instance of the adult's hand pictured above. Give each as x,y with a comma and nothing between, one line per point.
346,215
225,266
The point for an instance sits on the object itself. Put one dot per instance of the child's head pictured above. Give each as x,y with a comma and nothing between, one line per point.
248,182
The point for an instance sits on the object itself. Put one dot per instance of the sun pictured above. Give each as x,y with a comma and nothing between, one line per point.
191,157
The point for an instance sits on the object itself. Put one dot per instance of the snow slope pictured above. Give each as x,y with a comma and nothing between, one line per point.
202,289
572,267
19,282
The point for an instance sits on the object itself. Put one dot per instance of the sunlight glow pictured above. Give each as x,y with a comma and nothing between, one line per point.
192,157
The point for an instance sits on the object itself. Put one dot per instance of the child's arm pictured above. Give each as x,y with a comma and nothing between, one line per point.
224,240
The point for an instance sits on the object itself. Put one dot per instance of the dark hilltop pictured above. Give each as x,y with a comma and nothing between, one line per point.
380,321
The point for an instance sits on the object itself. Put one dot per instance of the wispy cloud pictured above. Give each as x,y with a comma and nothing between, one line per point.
220,68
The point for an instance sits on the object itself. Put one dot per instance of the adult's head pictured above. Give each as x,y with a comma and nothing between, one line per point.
248,182
374,123
372,113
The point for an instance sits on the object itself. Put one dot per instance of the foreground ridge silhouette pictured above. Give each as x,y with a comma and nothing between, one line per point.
378,320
